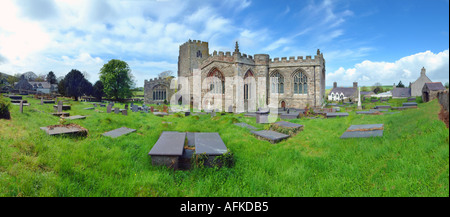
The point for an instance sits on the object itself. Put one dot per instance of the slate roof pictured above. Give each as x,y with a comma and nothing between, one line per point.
435,86
41,84
347,91
23,84
401,92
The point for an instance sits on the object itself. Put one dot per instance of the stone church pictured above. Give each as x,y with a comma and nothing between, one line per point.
298,82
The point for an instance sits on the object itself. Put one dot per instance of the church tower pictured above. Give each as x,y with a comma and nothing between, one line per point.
191,55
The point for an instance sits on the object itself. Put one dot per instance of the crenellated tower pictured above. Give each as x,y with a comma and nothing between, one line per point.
192,54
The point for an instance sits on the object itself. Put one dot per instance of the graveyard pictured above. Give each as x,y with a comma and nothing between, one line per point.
401,152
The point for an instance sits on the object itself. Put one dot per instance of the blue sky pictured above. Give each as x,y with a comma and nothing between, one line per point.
362,40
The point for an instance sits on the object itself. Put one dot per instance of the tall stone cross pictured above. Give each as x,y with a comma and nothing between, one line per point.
359,98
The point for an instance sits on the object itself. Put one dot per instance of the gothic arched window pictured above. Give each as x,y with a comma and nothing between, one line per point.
216,85
277,82
300,83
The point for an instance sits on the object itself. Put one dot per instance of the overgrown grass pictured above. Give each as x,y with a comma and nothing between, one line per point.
411,159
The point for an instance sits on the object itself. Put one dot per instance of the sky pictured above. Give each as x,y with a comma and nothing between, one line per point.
367,41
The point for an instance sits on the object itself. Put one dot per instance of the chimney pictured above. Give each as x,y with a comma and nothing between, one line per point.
334,84
355,85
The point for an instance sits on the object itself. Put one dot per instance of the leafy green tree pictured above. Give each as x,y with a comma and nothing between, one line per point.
117,79
51,78
446,85
75,85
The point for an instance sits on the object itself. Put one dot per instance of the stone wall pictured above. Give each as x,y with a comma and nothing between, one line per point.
443,98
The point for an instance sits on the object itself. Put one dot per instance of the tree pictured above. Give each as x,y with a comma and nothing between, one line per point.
117,79
400,84
12,79
61,87
51,78
75,85
165,74
446,85
97,90
377,88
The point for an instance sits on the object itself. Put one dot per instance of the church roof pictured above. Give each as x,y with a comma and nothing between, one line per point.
401,92
435,86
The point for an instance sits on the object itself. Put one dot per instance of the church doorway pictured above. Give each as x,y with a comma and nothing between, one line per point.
283,104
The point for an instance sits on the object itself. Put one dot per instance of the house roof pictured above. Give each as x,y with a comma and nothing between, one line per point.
435,86
23,84
347,91
401,92
43,84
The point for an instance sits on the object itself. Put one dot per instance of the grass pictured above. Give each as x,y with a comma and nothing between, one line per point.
411,159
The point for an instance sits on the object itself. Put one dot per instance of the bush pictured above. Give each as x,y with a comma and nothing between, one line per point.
4,109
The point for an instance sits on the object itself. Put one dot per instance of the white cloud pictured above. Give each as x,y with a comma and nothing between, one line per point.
406,69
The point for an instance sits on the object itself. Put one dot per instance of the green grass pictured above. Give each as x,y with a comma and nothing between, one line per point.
411,159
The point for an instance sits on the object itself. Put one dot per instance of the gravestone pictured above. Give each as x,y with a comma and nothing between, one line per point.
411,99
338,114
168,149
230,109
42,101
382,107
287,127
108,109
262,117
363,131
367,112
245,125
152,109
95,105
187,114
134,108
126,106
116,110
272,136
125,112
75,117
60,105
65,129
210,144
21,106
118,132
405,104
213,113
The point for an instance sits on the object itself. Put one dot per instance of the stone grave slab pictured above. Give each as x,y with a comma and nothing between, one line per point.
75,117
90,108
290,115
168,149
245,125
64,129
61,114
24,104
411,99
15,97
382,107
363,131
405,104
403,107
118,132
286,127
379,110
48,101
64,107
209,144
18,101
390,113
272,136
367,112
337,114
